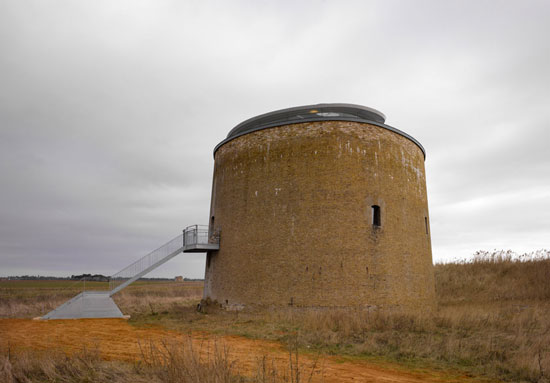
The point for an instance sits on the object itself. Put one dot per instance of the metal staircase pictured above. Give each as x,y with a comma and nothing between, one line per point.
144,265
99,304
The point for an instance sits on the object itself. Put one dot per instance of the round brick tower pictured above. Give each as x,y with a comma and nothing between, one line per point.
321,206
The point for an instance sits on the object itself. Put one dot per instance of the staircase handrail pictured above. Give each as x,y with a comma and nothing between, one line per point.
146,261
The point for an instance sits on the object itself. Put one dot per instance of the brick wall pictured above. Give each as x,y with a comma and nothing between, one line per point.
293,204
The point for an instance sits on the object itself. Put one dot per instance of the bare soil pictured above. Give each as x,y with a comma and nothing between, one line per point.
116,339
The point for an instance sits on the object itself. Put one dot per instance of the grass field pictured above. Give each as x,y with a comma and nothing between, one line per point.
32,298
493,319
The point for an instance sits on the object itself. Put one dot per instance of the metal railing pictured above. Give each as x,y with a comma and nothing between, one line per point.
195,235
192,237
147,262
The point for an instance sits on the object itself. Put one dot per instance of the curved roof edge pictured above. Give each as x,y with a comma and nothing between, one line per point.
312,113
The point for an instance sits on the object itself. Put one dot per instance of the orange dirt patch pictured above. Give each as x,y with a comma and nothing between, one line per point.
117,340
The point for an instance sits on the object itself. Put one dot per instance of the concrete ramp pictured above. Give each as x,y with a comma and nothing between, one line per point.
88,304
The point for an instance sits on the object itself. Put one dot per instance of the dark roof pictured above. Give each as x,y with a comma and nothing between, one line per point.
311,113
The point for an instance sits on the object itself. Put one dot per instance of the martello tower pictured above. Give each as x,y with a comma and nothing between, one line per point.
320,205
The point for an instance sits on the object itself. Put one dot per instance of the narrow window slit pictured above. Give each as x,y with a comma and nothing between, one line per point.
376,219
426,223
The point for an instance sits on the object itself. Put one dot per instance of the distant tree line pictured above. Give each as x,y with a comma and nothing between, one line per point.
35,277
90,277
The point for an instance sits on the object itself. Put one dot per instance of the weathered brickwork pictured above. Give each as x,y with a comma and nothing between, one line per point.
293,204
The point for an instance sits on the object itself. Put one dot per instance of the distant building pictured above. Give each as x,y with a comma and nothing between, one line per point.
179,278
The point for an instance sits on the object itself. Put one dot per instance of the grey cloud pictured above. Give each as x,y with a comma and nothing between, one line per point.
109,112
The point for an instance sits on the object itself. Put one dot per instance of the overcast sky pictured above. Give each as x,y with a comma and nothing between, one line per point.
110,110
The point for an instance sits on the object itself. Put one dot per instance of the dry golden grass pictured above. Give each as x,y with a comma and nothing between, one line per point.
28,299
165,361
495,277
493,319
156,298
86,366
